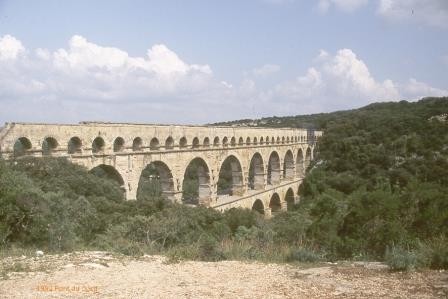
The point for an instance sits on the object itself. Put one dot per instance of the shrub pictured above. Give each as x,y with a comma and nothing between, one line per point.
303,255
399,259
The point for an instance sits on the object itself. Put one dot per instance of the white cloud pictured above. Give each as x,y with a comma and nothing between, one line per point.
344,5
414,89
10,48
428,12
265,70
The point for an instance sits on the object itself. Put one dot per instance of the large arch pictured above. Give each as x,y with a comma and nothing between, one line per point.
289,198
258,206
22,146
230,181
288,166
300,166
256,173
274,169
156,180
49,145
275,204
111,173
196,183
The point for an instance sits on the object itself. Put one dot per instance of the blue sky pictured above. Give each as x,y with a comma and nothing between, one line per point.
206,61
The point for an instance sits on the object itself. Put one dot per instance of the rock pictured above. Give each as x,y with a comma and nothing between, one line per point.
39,253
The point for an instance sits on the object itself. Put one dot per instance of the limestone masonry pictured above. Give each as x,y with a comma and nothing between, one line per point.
267,164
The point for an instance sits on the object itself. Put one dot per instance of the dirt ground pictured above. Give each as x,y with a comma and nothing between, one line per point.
103,275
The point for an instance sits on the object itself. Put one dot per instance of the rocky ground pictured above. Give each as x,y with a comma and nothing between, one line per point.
103,275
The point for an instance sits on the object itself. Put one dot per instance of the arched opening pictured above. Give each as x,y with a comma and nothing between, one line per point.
22,146
267,140
195,143
183,142
287,139
110,173
225,141
196,184
241,141
137,144
248,141
278,140
300,167
274,169
216,141
49,146
272,140
258,206
98,145
74,146
261,140
308,157
289,198
154,144
283,140
288,166
118,144
233,141
275,204
156,181
206,142
230,180
255,142
256,173
169,143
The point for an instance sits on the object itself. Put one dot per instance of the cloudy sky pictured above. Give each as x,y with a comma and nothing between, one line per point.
206,61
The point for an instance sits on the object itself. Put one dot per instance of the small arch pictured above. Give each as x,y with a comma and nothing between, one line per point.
137,144
272,140
274,169
289,199
216,141
248,141
183,142
258,206
98,145
230,179
241,141
206,142
307,157
74,145
288,166
225,142
22,146
300,167
287,139
169,143
195,143
118,144
154,144
278,140
232,141
256,173
267,140
255,142
196,183
261,140
49,145
275,204
283,140
156,180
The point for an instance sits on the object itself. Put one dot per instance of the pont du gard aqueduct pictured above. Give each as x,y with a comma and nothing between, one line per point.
264,166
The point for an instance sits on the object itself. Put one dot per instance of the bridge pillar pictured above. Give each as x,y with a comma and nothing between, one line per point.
284,206
267,213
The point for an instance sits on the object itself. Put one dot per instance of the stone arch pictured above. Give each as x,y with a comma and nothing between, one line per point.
255,141
272,140
216,141
22,146
240,141
275,203
288,165
258,206
287,139
195,143
156,180
225,141
183,142
137,144
196,183
261,140
307,157
232,141
98,145
283,139
169,143
267,139
154,144
248,141
300,167
274,169
74,145
289,198
49,145
230,180
278,140
206,142
111,173
118,144
256,173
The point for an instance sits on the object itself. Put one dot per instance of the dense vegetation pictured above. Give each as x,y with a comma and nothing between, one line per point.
377,189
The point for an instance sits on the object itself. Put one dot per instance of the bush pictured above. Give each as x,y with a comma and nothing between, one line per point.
209,249
399,259
303,255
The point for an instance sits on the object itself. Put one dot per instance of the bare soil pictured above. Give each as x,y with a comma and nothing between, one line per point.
103,275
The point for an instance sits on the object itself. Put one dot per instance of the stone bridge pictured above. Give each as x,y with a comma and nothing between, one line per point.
249,167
